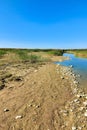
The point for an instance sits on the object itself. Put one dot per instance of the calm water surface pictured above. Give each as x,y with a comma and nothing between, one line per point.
79,66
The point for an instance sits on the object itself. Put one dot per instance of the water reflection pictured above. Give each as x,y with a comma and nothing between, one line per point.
79,66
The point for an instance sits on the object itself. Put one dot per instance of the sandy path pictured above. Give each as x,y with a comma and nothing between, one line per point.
38,98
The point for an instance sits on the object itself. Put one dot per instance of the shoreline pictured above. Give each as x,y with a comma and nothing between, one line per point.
77,107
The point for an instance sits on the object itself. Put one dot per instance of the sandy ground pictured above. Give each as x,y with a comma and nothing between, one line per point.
34,97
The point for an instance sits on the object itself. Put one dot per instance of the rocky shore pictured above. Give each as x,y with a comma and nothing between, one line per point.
41,97
75,110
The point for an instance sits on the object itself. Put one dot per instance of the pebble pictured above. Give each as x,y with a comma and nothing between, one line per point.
71,110
18,117
79,96
75,82
62,77
79,75
37,106
76,100
30,105
85,114
85,103
81,108
74,128
71,66
6,110
64,111
35,71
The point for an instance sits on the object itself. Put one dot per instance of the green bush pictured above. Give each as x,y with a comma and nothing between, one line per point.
34,58
22,54
2,52
56,52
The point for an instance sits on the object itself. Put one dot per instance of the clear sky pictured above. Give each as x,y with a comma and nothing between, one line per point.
43,23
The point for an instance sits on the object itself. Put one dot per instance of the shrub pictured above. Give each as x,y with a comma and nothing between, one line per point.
56,52
34,58
2,52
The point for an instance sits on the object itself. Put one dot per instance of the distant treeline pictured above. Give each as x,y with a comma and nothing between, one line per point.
44,50
50,51
75,50
35,50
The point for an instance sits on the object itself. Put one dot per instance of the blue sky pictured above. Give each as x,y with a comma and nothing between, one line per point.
43,23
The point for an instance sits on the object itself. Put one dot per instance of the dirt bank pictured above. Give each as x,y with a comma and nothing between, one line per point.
39,97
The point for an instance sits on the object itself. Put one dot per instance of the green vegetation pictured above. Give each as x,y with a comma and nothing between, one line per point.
2,52
23,54
34,58
79,52
56,52
26,55
29,55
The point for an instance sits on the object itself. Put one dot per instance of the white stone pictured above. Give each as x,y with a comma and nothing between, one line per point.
6,110
62,77
76,100
78,95
73,128
85,114
79,75
35,71
81,108
71,66
75,82
85,103
71,110
63,111
18,117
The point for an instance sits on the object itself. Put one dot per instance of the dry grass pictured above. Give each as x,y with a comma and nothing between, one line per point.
79,53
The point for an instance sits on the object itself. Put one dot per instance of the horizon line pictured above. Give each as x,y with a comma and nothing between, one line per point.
44,48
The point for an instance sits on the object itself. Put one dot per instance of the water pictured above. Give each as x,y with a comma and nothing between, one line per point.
79,66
